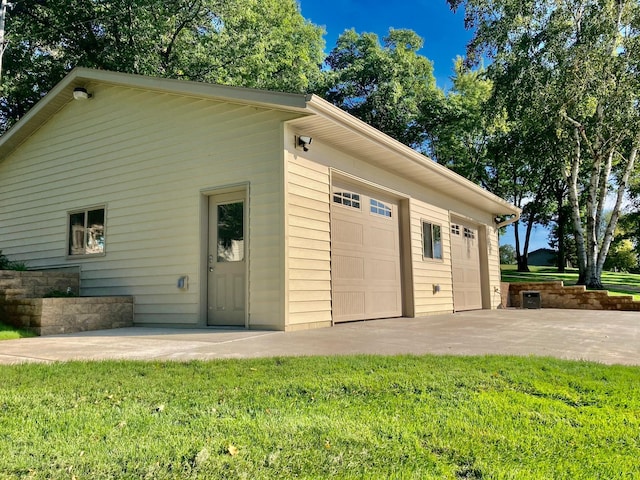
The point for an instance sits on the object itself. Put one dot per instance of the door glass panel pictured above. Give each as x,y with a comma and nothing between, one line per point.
231,232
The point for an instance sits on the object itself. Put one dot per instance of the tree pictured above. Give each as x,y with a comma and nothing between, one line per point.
507,255
475,133
383,85
252,43
459,127
572,64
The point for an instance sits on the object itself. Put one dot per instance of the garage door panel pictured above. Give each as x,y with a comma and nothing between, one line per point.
350,304
381,270
465,267
384,303
347,268
379,238
365,257
348,233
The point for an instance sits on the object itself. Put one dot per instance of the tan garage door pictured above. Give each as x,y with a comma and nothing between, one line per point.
365,255
465,264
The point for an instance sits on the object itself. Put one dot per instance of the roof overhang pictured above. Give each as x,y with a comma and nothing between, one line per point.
318,118
62,94
358,138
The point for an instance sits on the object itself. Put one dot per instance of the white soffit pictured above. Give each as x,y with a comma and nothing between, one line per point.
360,140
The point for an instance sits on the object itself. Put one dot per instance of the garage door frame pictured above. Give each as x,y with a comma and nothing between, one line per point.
466,295
342,181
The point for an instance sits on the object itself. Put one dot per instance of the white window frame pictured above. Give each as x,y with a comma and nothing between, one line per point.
380,208
85,212
434,252
346,196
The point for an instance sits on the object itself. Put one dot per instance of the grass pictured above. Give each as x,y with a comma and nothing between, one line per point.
615,282
7,332
344,417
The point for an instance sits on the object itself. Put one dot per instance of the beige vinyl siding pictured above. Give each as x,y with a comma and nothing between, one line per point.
493,253
428,272
147,157
308,247
424,204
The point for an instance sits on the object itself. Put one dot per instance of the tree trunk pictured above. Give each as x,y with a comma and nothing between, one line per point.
572,182
521,257
615,214
561,260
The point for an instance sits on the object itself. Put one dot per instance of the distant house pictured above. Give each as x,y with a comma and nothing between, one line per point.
215,205
543,257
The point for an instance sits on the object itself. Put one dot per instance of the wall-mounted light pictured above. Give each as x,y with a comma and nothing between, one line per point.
303,142
436,288
80,93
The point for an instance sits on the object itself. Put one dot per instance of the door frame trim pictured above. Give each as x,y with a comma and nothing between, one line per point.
205,193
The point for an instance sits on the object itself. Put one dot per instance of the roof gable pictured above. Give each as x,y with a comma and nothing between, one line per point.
317,118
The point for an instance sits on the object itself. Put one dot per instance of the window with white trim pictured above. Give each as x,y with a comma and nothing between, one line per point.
86,232
431,241
455,229
348,199
378,208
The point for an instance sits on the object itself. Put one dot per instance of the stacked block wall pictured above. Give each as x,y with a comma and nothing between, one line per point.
22,305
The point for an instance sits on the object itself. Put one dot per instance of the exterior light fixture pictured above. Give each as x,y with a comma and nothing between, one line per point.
303,142
80,93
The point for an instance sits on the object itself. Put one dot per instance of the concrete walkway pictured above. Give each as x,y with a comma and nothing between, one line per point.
605,337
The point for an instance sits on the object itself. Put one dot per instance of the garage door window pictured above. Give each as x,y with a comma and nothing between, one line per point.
376,207
348,199
431,241
468,233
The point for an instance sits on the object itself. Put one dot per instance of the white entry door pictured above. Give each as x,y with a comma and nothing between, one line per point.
226,260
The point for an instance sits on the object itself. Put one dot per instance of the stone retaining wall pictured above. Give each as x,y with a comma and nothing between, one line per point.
51,316
37,284
556,295
22,305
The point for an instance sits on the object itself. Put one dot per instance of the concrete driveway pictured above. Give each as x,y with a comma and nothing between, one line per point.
605,337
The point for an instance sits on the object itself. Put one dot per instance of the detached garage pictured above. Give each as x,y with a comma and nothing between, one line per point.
224,206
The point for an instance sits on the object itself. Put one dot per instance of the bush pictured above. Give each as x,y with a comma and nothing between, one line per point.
6,264
59,294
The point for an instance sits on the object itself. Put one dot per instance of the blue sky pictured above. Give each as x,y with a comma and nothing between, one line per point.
442,30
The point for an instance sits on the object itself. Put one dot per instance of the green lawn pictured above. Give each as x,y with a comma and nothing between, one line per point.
356,417
8,332
615,283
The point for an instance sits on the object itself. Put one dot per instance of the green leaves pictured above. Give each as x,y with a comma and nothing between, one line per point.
384,84
566,74
262,44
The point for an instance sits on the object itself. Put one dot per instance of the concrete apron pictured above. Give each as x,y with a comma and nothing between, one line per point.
600,336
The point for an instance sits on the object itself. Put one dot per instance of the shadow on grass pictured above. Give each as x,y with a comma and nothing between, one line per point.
7,332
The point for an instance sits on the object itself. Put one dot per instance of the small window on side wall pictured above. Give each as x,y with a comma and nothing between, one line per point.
431,241
86,232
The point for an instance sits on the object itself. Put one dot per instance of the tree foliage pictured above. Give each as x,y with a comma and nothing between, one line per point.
253,43
382,84
571,66
459,127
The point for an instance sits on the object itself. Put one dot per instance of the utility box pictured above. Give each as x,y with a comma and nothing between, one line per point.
531,299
